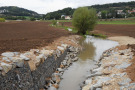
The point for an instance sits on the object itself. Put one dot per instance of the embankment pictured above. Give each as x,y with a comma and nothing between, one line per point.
31,70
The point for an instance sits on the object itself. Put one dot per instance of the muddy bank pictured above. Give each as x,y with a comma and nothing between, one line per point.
31,70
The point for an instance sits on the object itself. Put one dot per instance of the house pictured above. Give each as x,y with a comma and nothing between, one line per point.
99,14
68,17
131,11
120,12
3,11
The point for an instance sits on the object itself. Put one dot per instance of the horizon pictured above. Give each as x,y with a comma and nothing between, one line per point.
59,8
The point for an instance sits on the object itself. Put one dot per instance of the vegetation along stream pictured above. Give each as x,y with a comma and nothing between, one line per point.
77,73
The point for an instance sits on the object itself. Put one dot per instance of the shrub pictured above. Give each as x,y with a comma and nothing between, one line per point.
32,19
54,22
2,20
84,19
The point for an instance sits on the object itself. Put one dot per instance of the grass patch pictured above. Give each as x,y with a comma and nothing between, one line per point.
128,22
99,35
2,20
57,20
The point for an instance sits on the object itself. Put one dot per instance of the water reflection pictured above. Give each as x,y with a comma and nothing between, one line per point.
89,49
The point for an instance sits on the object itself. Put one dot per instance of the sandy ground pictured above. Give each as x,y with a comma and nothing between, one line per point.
123,40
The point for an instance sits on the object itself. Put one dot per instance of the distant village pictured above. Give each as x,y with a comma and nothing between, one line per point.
100,14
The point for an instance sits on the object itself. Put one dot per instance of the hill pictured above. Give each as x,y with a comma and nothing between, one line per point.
112,7
120,5
16,11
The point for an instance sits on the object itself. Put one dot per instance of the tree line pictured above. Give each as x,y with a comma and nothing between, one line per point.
109,9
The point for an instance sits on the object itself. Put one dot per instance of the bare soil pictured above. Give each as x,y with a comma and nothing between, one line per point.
23,36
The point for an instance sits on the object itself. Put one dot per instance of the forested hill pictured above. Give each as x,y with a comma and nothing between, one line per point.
16,11
120,5
112,6
57,14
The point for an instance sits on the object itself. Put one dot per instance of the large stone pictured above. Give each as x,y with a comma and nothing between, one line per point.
88,81
122,66
58,53
6,67
125,81
118,75
47,52
97,70
8,54
64,45
61,48
18,61
40,58
24,57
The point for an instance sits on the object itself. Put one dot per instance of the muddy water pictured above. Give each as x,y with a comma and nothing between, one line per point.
77,73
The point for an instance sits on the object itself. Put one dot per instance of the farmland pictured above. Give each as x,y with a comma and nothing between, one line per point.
22,36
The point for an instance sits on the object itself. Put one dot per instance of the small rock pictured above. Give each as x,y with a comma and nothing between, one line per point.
8,54
52,88
75,59
60,69
69,62
98,88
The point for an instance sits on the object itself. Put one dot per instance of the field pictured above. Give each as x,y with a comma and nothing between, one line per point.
112,29
22,36
25,35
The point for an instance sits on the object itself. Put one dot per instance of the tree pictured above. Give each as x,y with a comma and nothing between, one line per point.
84,19
104,14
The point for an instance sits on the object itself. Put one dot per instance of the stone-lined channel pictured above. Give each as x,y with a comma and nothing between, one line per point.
78,71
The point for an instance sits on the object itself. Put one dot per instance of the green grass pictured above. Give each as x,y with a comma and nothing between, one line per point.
64,27
58,20
99,35
127,22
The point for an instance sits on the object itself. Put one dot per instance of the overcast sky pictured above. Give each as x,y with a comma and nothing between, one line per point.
44,6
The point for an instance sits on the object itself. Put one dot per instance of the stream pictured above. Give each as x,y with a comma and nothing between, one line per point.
78,71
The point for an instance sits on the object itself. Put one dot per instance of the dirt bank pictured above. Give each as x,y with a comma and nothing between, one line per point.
23,36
